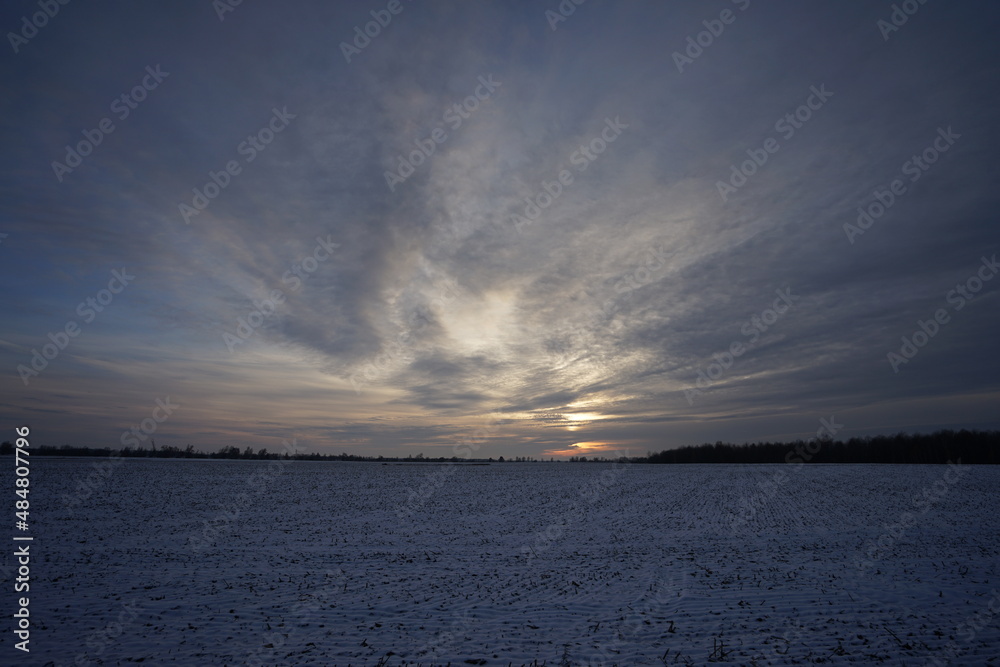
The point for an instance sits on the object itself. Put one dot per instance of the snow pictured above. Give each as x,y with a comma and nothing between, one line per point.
253,562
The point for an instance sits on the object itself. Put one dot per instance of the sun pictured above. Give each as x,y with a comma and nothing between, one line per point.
577,419
583,416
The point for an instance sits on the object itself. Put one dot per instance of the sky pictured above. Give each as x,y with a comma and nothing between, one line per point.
524,228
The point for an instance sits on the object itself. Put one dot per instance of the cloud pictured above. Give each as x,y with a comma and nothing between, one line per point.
438,306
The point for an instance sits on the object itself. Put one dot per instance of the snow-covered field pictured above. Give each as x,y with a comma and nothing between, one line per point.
231,562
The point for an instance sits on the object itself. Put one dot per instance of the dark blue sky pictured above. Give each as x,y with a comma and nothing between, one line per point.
595,237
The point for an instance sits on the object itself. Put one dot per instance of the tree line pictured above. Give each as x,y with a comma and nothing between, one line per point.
937,447
971,447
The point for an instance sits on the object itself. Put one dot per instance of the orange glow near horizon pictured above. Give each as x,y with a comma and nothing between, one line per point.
591,448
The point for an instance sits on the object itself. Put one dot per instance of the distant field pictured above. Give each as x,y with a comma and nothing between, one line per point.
254,562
